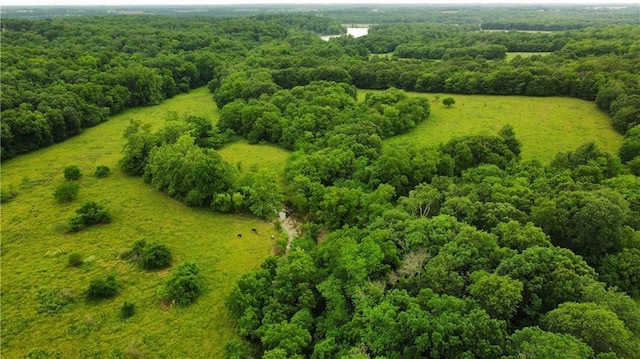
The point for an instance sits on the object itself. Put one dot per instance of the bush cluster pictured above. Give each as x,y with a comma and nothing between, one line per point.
66,191
102,288
75,260
150,256
89,214
72,173
127,310
102,171
184,285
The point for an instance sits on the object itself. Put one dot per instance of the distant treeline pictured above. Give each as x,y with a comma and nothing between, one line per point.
62,75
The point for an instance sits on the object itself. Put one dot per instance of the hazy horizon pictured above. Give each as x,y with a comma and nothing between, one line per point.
309,2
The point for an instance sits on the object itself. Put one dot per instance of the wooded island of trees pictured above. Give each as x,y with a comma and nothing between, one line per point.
460,250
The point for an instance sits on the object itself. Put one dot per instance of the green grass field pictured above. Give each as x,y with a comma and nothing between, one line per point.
35,251
544,125
512,55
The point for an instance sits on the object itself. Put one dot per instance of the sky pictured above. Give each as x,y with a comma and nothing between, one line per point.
232,2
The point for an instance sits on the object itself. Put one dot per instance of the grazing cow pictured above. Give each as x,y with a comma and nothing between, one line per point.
273,237
239,235
254,230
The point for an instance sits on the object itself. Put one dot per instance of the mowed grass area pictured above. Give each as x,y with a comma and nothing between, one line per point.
35,251
544,125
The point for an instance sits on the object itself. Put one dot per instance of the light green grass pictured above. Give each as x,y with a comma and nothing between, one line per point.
250,156
35,252
512,55
544,125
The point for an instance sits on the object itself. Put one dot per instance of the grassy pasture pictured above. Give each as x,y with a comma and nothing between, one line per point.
251,156
544,125
35,251
512,55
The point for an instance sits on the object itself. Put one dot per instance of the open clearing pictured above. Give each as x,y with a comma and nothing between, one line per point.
544,125
35,252
512,55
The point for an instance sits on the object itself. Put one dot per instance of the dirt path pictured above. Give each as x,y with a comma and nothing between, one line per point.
290,226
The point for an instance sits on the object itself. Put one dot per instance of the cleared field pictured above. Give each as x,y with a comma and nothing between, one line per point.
544,125
512,55
35,252
250,156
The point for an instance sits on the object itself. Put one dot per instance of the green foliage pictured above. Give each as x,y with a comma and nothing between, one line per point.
102,288
236,349
622,270
597,326
66,191
127,310
520,237
630,148
53,301
102,171
90,213
184,285
155,256
187,172
634,166
8,194
75,259
536,343
589,223
136,151
499,296
550,276
448,101
72,173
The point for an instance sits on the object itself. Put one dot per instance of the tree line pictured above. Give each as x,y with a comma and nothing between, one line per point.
63,75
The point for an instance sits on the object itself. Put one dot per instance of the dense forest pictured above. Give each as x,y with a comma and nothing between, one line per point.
461,250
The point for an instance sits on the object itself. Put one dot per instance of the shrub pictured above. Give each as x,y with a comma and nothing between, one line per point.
155,256
7,194
72,173
449,101
66,191
101,288
53,301
184,285
127,310
89,214
102,171
138,248
75,260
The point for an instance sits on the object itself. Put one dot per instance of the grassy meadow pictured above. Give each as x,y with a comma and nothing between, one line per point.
544,125
35,251
512,55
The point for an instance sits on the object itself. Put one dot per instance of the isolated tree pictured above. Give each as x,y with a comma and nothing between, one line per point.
449,101
184,285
